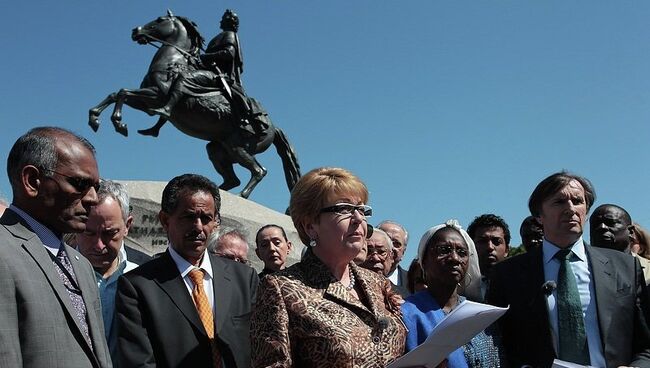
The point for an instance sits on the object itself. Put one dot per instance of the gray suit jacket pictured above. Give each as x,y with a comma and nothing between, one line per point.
38,325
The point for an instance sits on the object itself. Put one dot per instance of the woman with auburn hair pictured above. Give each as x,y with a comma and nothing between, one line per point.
325,311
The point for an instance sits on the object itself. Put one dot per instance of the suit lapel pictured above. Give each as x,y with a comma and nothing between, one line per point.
374,299
171,282
604,278
37,251
222,291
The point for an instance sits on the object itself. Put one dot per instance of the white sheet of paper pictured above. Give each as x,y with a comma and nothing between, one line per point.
557,363
454,331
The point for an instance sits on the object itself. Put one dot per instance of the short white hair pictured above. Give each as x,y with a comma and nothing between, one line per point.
387,238
391,222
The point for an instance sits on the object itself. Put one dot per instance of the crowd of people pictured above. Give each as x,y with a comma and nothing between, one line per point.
73,295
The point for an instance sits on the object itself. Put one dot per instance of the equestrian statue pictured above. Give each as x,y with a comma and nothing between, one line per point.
202,95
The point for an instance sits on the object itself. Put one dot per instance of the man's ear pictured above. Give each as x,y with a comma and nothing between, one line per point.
30,180
164,219
289,246
129,222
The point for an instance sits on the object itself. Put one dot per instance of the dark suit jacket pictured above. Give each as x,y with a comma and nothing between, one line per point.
402,277
622,308
158,325
38,325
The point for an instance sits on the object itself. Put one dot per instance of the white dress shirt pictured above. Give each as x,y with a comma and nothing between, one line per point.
184,268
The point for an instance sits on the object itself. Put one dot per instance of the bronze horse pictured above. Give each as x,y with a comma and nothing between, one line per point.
207,116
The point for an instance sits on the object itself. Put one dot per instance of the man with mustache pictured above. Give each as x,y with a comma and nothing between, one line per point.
50,312
569,300
186,308
379,257
399,238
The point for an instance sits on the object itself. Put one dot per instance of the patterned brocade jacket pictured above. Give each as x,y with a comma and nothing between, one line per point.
304,317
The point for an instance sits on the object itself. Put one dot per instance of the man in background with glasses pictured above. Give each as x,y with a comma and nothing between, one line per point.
231,245
380,259
50,312
400,237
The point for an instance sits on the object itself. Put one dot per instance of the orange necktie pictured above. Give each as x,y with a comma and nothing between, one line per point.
205,311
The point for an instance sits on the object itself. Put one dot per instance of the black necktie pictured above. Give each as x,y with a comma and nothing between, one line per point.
571,325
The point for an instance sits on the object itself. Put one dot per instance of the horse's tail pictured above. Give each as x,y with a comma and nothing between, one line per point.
288,156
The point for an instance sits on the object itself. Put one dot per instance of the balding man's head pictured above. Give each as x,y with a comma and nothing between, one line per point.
610,227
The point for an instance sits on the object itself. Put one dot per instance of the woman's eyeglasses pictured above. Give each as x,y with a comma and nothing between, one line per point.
347,209
446,250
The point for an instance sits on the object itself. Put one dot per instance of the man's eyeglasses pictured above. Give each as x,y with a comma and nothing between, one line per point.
347,209
446,250
380,252
233,258
81,185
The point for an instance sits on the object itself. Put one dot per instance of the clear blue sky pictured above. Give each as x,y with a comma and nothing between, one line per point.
446,109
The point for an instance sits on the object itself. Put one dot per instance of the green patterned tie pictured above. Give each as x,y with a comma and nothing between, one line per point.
571,325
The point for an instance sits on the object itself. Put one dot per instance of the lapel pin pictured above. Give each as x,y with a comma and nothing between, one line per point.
76,257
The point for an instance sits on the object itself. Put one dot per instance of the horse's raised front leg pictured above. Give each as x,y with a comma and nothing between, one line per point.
93,114
140,99
116,117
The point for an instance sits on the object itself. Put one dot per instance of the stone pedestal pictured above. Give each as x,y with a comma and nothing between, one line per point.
148,236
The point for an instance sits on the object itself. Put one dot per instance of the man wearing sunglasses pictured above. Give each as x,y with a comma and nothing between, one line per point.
50,312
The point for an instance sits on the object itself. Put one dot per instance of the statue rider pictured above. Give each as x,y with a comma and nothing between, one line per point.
222,62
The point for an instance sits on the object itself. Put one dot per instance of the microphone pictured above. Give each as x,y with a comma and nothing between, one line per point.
548,287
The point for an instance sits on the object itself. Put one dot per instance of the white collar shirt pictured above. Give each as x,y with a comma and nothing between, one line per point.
184,268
